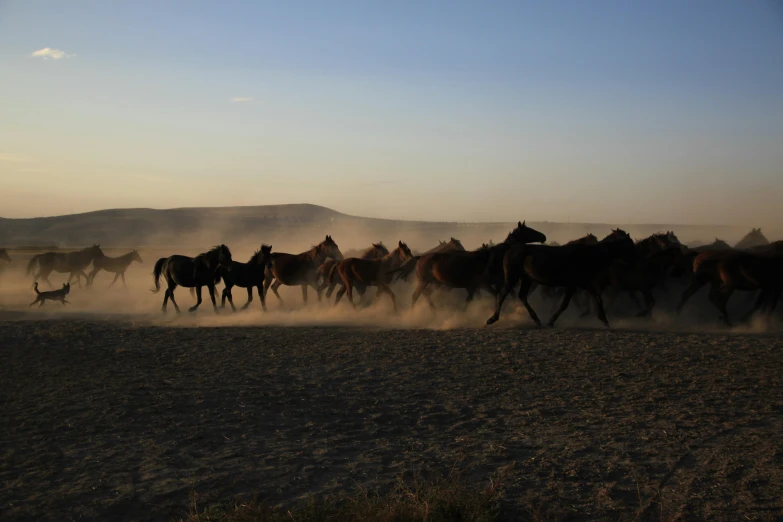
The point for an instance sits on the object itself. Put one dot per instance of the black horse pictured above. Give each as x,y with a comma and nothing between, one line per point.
571,266
73,263
246,275
191,272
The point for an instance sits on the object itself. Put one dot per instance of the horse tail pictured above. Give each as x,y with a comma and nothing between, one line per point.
405,270
32,262
157,271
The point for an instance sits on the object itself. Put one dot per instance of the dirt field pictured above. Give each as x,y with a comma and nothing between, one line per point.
124,418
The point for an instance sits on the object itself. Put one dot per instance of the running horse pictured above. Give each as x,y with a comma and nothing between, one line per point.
116,265
191,272
468,270
73,263
246,275
371,272
300,269
328,273
571,266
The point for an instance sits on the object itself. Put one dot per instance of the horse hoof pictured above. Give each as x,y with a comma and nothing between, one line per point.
492,320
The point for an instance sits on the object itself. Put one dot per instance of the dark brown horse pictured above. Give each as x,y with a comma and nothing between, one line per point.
73,263
300,269
468,270
452,245
246,275
727,271
202,270
116,265
4,255
570,266
328,270
371,272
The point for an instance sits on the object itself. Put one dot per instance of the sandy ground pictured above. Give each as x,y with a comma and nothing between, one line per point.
111,411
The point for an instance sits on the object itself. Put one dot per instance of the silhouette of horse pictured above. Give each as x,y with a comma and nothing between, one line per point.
571,266
553,293
754,238
328,273
468,270
117,265
202,270
73,263
452,245
371,272
4,255
246,275
717,245
300,269
728,271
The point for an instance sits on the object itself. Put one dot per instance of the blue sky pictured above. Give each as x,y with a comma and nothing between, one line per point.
602,111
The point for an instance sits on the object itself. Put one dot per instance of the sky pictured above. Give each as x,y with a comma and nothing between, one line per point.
603,111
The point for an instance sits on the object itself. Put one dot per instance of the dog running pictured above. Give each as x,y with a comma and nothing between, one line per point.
53,295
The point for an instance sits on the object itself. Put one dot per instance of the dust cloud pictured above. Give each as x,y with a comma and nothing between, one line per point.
137,303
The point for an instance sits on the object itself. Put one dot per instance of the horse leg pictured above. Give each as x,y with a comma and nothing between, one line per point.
694,287
566,299
417,293
719,296
304,293
349,293
472,292
599,302
230,296
249,298
211,289
275,286
122,275
91,276
198,300
382,287
116,276
330,290
340,294
508,285
261,296
759,303
649,302
171,296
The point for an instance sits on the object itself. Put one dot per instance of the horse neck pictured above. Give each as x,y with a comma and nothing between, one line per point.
389,260
314,255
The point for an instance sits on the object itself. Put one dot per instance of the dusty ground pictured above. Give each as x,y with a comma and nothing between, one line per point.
123,418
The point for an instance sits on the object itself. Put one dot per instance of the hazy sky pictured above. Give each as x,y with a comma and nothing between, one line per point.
666,111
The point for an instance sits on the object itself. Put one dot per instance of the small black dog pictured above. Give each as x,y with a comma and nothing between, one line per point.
54,295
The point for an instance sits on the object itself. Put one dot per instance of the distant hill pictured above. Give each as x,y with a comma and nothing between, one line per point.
290,226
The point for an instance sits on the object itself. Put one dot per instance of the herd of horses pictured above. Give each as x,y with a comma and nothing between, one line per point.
589,271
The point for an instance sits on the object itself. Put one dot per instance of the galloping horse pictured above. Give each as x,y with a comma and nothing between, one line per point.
117,265
73,263
246,275
371,272
570,266
300,269
736,270
328,273
202,270
468,270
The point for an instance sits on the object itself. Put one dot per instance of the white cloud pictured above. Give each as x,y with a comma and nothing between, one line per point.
48,53
242,99
10,158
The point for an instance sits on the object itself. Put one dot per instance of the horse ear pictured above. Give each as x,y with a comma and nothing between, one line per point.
400,243
519,223
523,222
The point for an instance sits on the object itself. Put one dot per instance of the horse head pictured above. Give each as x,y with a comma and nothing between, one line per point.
136,257
402,252
4,255
329,248
525,234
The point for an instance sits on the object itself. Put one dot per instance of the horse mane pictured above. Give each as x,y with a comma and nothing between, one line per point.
214,250
257,253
